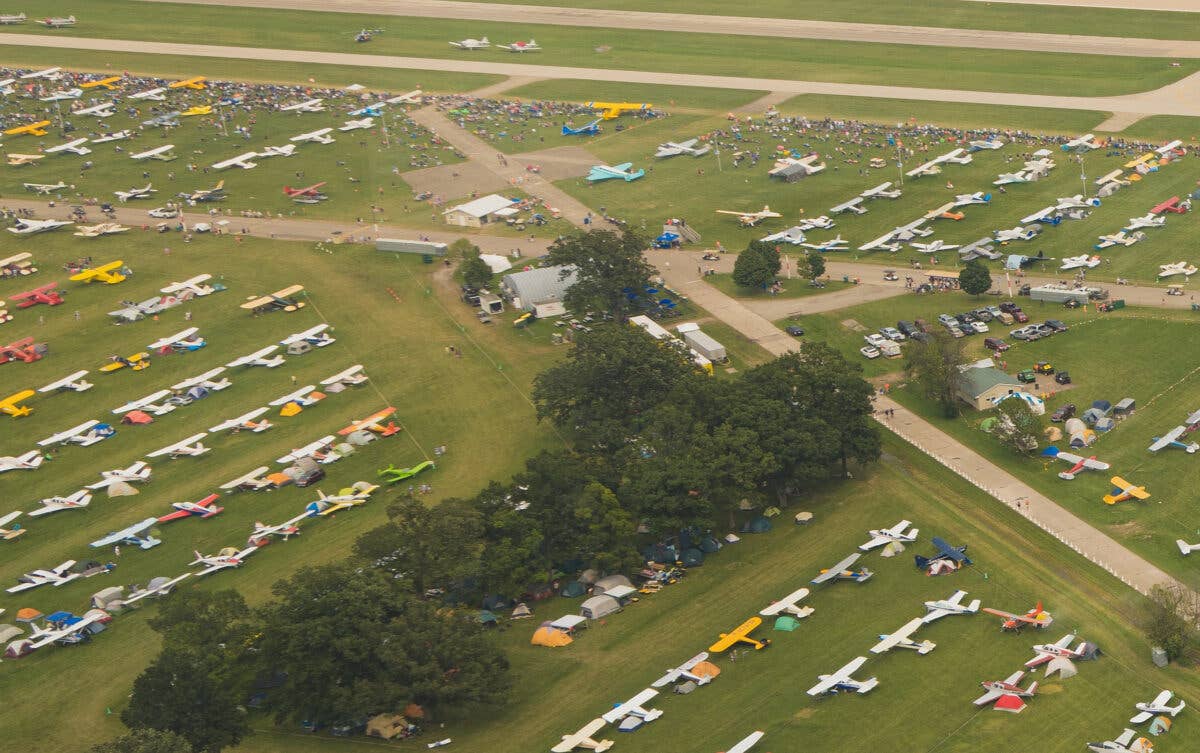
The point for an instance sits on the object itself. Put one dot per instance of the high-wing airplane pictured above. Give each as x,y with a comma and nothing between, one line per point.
259,358
8,534
750,219
207,380
317,450
196,110
12,18
902,638
108,82
200,195
186,340
320,136
157,94
310,105
1078,463
821,222
684,672
854,205
262,533
634,707
304,397
1084,143
1006,694
226,558
286,150
981,248
933,247
966,199
1145,221
74,147
242,160
842,571
1159,706
472,44
613,110
1037,617
622,171
73,383
131,536
244,422
307,195
148,404
793,235
31,129
102,110
350,377
205,508
108,273
192,287
1018,233
1005,179
12,404
86,434
196,83
1176,268
1051,215
1171,149
166,120
530,46
1123,743
412,97
58,22
896,533
63,95
584,739
674,149
934,166
1058,656
30,461
156,587
740,634
97,231
373,423
66,632
18,160
50,74
881,191
74,501
55,576
807,164
746,743
252,481
1172,439
935,610
833,244
1123,491
44,189
138,473
190,447
33,227
946,553
162,153
789,604
345,499
842,680
357,125
375,110
1076,262
990,144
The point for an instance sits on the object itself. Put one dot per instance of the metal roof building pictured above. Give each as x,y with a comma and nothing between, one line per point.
534,287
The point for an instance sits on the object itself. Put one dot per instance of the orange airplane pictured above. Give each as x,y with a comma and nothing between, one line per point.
108,83
33,129
196,82
1037,617
372,423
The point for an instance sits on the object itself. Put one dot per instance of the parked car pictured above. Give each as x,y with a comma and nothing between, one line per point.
946,320
793,330
1062,377
875,340
892,334
1063,413
996,344
955,332
1020,316
983,315
1057,325
979,327
921,324
1045,330
1005,318
994,310
1009,307
1025,334
869,351
1026,377
922,337
908,328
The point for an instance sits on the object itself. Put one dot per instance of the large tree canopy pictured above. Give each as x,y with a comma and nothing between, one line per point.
430,547
757,266
609,269
145,741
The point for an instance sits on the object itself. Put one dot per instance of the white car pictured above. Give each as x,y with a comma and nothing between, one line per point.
162,213
869,351
874,340
979,327
892,334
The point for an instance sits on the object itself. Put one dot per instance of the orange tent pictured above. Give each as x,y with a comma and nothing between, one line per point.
551,638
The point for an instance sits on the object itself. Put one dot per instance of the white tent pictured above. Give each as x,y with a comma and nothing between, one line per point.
599,606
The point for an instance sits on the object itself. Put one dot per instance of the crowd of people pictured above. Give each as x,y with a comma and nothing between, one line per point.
521,121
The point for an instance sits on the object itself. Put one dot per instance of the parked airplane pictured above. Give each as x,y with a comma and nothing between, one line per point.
981,248
50,74
1176,268
902,638
228,557
1124,490
131,536
789,604
750,219
62,95
196,110
946,553
67,632
252,481
8,534
58,22
881,191
201,195
935,610
205,508
287,150
96,231
1146,221
684,672
262,533
356,125
317,450
162,153
1172,439
583,739
74,147
157,587
75,501
1057,656
304,397
1018,233
990,144
1037,617
933,247
135,193
854,205
28,462
166,120
190,447
1159,706
933,166
137,473
320,136
944,212
244,422
842,680
622,171
673,149
793,235
102,110
746,743
317,336
33,227
86,434
842,571
1078,463
1084,143
108,82
12,404
11,18
55,576
412,97
354,496
185,340
634,707
530,46
1083,260
242,161
350,377
808,164
148,404
1123,743
196,83
73,383
833,244
966,199
311,105
1006,694
156,95
259,358
895,534
472,44
307,195
44,189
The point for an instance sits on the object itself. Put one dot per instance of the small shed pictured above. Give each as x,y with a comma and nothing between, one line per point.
476,213
386,726
599,606
535,287
980,387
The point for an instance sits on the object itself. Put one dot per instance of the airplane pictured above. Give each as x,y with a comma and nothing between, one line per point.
412,97
86,434
1176,268
102,110
933,247
1115,177
25,350
789,605
1018,233
356,125
854,205
55,576
1123,743
621,171
472,44
73,383
137,473
131,536
891,241
187,340
750,219
946,553
216,193
45,188
933,166
152,94
19,160
901,638
833,244
1124,491
75,501
343,500
244,422
746,743
226,558
252,481
96,231
352,376
1005,179
1057,656
162,153
8,534
148,404
166,120
842,571
109,83
633,708
74,147
793,235
1078,463
316,137
193,287
9,19
196,83
808,165
242,161
1171,439
896,533
205,508
28,462
530,46
308,195
304,397
612,110
881,191
67,632
1037,617
205,380
583,739
981,248
162,589
372,423
990,144
106,273
1078,201
684,671
17,265
33,227
259,358
1150,709
12,404
1084,143
191,447
1173,148
392,474
63,95
821,222
935,610
966,199
58,22
740,634
50,74
1173,205
1145,221
262,533
1083,260
1048,216
673,148
317,450
375,110
842,680
196,110
287,150
944,212
1006,694
311,105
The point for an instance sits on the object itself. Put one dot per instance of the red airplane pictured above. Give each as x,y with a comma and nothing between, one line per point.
22,350
45,294
313,190
1172,204
205,508
1037,617
1006,694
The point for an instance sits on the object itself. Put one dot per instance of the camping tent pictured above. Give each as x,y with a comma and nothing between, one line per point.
786,623
573,590
709,545
495,601
1105,424
520,611
1092,415
549,637
8,632
486,618
137,417
609,581
386,726
757,525
599,606
692,558
105,598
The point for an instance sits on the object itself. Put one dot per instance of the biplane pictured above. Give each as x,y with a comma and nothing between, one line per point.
46,294
109,274
24,350
281,300
12,404
1124,491
205,508
17,265
740,634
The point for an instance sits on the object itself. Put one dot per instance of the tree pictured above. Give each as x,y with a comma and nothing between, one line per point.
431,547
816,265
933,365
974,278
1171,619
608,269
606,530
1018,427
145,741
757,266
203,619
463,248
475,272
188,691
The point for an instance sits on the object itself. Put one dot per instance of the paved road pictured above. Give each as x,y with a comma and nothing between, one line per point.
1179,98
788,28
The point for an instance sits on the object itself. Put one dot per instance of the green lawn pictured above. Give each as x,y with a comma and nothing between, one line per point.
671,98
794,288
1164,128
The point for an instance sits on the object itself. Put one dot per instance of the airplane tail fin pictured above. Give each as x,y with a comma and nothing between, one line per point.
922,562
1033,688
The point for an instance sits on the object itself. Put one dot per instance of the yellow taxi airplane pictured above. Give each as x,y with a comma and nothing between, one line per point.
106,273
11,404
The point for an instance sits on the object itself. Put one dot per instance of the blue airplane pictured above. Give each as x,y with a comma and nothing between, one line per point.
955,554
622,171
591,129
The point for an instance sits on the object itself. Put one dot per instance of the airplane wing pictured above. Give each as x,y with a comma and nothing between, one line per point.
1069,457
571,742
837,569
117,537
620,712
1166,439
876,541
897,637
988,697
746,743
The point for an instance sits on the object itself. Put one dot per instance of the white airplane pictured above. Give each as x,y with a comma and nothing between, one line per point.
228,557
74,147
259,358
833,244
102,110
897,534
58,22
935,610
317,336
1148,710
246,421
934,166
205,380
162,153
51,74
990,144
1123,743
1079,464
1120,239
933,247
1084,143
301,397
10,18
311,105
1173,439
820,222
411,97
287,150
162,588
746,743
472,44
842,681
242,161
350,377
891,241
355,125
138,473
166,120
881,191
1018,233
1006,693
1005,179
28,462
328,505
191,447
44,189
980,248
530,46
55,576
854,205
674,149
252,481
68,634
1050,216
966,199
195,286
1083,260
62,95
33,227
750,219
86,434
793,235
1177,268
186,339
315,449
1057,656
283,530
684,671
634,707
808,165
317,137
104,228
901,639
136,193
1149,220
583,739
789,604
1078,201
157,95
8,534
75,501
131,536
1166,149
149,404
882,243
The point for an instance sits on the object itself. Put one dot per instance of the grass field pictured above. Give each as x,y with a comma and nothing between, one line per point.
671,98
1161,128
793,288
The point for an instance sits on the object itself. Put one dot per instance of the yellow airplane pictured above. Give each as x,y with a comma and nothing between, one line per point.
108,83
1123,491
611,110
11,404
16,160
33,129
197,110
106,273
1148,159
740,634
196,82
279,300
136,362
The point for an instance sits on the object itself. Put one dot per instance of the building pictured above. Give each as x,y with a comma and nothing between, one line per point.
476,213
979,386
537,287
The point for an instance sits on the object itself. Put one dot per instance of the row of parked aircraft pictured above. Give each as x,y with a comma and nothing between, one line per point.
483,44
